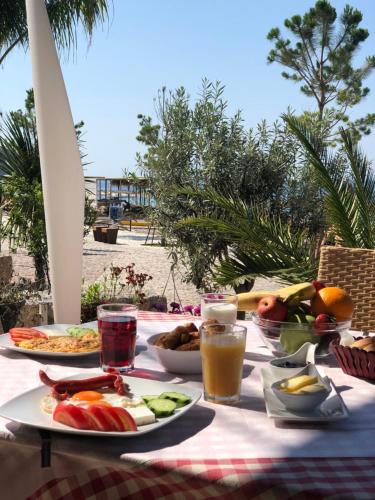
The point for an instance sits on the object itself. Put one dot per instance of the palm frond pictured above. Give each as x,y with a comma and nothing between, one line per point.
246,265
364,188
260,245
65,17
341,203
19,148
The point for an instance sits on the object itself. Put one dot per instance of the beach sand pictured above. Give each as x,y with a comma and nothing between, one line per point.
150,259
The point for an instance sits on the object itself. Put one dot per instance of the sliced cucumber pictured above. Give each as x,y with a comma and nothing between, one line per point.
162,407
147,399
177,397
78,331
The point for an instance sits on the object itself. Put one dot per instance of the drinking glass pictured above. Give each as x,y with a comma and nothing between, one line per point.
222,351
221,307
117,325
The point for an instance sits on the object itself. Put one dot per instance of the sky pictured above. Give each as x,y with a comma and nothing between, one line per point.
149,44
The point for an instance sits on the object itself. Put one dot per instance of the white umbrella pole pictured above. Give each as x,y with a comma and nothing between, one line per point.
62,174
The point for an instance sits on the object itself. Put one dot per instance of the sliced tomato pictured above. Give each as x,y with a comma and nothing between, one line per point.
22,333
103,418
97,417
125,417
74,416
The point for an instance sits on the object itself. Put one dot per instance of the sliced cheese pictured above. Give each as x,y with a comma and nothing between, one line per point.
295,383
142,415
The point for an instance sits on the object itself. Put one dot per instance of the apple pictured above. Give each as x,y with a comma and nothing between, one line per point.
272,308
323,324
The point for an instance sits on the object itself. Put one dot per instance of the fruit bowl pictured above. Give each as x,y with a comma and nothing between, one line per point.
270,332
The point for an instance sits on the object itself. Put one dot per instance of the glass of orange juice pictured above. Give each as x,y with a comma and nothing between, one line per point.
222,351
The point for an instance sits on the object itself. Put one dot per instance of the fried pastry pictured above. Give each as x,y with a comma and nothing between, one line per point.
193,345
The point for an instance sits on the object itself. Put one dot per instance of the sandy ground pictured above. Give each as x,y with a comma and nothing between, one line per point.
150,259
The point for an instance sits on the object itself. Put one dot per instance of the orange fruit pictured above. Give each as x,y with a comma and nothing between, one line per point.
333,301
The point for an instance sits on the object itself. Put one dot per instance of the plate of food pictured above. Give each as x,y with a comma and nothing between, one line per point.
102,405
59,340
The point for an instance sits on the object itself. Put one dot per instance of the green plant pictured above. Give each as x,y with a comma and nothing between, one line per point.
349,200
260,244
21,188
199,146
116,284
322,60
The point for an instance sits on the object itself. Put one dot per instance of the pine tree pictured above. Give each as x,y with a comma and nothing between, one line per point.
322,59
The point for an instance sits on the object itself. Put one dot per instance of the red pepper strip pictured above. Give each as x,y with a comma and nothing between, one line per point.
26,333
62,388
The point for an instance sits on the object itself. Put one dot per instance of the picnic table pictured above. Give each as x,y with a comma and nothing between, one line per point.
213,451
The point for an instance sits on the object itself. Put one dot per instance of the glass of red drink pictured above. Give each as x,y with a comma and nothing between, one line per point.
117,325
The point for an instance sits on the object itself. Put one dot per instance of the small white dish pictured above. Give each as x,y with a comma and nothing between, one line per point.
330,410
26,408
301,358
186,362
302,402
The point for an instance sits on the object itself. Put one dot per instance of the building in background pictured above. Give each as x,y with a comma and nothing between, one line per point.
128,193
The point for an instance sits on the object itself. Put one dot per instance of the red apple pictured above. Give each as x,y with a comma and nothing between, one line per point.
272,308
323,324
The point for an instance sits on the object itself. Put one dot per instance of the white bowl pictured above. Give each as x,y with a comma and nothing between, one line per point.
189,362
301,402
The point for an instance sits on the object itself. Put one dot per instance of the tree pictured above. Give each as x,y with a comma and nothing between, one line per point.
199,147
322,59
65,18
21,187
262,244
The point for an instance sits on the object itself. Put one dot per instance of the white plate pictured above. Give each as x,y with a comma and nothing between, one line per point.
51,330
26,409
332,409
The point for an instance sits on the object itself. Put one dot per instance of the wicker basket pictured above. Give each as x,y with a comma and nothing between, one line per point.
354,361
352,269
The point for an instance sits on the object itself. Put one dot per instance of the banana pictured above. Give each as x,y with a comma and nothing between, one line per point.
293,294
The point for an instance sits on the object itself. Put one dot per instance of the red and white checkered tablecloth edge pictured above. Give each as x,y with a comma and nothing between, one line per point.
297,478
158,316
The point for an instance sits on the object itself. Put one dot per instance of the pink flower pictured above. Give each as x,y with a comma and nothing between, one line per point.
197,310
189,308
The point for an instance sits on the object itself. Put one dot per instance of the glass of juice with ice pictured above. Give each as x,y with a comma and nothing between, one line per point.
221,306
222,351
117,325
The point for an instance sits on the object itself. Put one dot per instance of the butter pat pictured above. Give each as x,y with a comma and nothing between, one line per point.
308,389
142,415
295,383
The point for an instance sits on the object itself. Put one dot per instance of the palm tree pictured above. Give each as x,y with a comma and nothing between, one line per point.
65,17
349,199
259,244
263,245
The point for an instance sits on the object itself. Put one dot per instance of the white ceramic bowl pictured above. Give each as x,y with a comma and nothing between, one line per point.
300,402
187,362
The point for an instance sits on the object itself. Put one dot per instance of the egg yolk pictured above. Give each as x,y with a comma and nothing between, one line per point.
87,396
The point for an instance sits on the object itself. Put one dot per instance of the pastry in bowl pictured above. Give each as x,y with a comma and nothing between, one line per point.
178,351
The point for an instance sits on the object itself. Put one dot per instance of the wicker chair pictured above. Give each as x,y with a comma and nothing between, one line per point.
354,270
